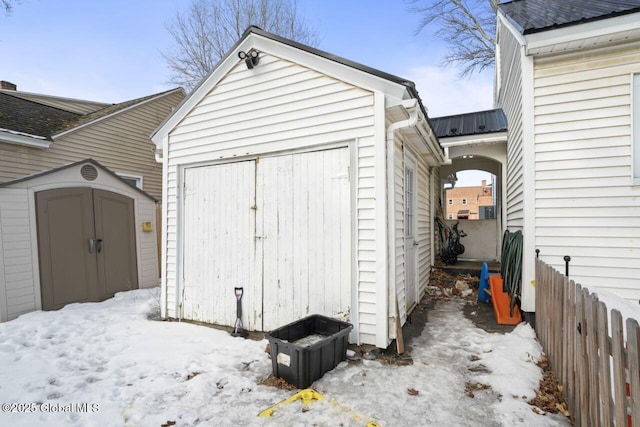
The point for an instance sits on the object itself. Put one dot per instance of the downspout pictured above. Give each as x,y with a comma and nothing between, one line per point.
158,154
411,105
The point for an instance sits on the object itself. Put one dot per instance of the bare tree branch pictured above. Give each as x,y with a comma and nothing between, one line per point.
468,27
8,5
209,29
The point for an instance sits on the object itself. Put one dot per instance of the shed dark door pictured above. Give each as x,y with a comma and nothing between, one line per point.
86,243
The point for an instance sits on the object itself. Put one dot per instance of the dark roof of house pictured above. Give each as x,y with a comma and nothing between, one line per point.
21,115
534,16
476,123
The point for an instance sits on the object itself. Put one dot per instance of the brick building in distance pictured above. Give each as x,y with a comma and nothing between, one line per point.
475,202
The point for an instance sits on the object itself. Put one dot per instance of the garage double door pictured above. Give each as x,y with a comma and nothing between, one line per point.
86,245
279,227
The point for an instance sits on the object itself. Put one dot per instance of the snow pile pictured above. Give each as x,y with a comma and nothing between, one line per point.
110,364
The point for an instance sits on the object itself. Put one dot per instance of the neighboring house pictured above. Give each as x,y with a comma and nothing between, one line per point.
472,202
304,178
78,192
568,79
40,132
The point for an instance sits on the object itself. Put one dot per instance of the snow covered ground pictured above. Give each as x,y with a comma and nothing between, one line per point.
110,364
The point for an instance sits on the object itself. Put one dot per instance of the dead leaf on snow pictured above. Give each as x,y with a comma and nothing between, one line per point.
276,382
192,375
413,392
549,396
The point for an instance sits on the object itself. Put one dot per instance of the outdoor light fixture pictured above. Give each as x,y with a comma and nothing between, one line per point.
251,58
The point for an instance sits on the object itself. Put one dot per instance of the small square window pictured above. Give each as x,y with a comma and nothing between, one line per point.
464,201
132,180
450,201
450,216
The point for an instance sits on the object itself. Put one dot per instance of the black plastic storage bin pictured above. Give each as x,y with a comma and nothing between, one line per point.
301,365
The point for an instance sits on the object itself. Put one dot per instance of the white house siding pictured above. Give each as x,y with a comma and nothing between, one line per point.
510,99
398,206
17,290
423,235
424,225
586,206
276,107
147,244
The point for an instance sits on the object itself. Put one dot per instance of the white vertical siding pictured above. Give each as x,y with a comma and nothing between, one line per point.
366,241
275,107
398,239
424,225
422,233
17,295
146,243
219,244
510,100
586,206
304,213
171,243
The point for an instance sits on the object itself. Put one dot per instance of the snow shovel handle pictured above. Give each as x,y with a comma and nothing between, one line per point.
239,292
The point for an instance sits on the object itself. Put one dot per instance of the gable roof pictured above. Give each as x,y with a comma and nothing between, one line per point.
73,164
27,119
533,16
476,123
210,80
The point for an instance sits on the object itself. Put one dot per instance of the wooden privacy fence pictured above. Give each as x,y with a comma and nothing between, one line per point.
586,348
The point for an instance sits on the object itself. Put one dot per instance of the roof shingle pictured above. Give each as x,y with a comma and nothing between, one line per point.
21,115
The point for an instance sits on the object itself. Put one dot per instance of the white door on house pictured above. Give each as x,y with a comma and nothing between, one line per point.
410,231
280,228
219,246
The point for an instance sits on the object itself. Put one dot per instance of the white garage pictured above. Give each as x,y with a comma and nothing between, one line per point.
305,179
279,227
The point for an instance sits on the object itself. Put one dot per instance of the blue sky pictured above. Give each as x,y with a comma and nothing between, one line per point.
111,50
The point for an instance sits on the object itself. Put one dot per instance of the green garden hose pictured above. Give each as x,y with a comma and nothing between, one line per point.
511,265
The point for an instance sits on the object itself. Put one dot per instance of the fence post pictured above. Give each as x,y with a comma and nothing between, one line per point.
567,259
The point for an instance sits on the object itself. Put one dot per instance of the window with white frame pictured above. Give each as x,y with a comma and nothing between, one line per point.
132,180
450,201
635,108
464,201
